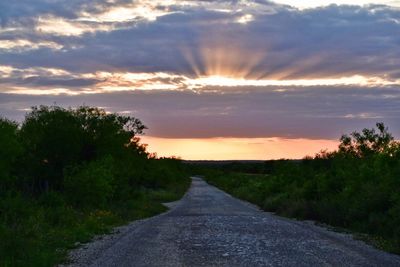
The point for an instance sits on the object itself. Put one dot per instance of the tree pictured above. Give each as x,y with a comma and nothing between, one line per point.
10,147
52,137
106,133
56,138
368,142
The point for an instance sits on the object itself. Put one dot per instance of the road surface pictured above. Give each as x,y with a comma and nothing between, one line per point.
210,228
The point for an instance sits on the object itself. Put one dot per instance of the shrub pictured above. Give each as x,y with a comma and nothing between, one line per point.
91,185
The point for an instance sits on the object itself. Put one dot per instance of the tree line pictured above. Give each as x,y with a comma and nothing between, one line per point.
66,174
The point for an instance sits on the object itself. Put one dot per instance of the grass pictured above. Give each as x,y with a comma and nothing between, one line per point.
40,232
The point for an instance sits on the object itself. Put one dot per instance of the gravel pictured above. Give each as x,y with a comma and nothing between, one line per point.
211,228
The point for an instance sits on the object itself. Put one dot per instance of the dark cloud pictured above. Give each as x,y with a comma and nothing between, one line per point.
324,42
44,78
307,112
41,81
27,11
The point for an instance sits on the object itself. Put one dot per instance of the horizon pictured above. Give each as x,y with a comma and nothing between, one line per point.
212,80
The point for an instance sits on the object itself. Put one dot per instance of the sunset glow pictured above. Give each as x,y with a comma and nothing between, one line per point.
237,148
228,81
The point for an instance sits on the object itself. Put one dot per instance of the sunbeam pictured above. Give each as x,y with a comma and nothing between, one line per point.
219,55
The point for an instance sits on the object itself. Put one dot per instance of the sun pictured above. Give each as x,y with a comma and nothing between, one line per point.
219,57
217,80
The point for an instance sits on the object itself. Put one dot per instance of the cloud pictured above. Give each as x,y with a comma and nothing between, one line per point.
43,80
24,45
50,81
299,112
278,43
318,3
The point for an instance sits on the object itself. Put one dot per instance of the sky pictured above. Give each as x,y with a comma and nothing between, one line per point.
211,79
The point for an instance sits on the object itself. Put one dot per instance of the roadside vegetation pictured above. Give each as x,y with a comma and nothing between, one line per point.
68,174
356,187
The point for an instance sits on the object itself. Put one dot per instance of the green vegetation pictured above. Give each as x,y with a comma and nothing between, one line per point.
68,174
355,187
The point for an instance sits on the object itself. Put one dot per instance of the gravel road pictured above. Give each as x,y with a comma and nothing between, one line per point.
210,228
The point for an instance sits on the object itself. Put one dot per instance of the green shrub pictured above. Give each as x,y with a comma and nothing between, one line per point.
90,185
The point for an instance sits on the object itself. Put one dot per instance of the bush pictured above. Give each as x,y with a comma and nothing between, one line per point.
91,185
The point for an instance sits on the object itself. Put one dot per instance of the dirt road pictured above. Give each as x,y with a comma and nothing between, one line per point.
210,228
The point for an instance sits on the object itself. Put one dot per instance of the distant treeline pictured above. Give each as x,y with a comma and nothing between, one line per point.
242,166
355,187
67,174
